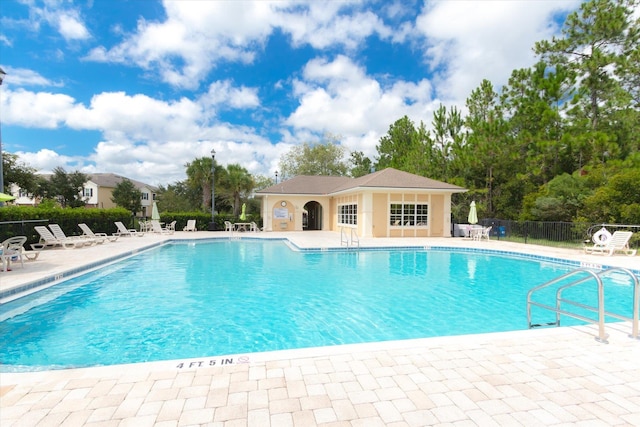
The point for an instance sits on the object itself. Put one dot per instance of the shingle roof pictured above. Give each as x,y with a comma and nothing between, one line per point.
386,178
109,180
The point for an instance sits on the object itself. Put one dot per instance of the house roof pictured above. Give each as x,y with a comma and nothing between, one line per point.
109,180
387,178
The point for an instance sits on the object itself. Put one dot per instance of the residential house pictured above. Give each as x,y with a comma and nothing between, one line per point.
97,191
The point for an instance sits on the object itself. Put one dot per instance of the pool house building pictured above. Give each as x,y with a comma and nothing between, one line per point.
386,203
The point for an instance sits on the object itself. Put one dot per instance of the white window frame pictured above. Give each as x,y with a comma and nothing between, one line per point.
348,214
408,214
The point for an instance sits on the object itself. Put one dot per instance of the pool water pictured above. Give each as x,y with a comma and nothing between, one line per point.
186,300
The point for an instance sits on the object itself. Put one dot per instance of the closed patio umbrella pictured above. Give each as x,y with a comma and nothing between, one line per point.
155,215
6,197
243,215
473,214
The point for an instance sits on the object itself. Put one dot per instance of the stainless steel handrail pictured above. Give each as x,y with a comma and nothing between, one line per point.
602,337
354,236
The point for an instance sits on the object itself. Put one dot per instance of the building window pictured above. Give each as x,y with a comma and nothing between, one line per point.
88,192
145,196
348,214
408,215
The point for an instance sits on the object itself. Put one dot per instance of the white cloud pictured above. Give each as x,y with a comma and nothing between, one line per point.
24,77
338,97
476,40
71,27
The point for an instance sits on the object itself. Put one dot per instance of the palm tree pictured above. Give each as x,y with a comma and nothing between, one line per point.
199,178
238,183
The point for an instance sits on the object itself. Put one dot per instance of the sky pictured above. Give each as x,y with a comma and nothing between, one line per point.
142,87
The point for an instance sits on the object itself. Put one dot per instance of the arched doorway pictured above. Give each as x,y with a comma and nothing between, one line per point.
312,216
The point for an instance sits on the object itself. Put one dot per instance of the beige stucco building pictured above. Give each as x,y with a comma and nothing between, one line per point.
387,203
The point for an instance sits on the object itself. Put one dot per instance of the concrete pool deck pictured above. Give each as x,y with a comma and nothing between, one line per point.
553,376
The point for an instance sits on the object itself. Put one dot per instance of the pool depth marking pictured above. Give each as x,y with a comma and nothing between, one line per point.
222,361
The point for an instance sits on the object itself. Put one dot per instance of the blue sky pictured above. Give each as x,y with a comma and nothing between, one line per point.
142,87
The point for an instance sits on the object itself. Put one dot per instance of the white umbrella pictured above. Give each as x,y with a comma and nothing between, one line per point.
473,214
155,215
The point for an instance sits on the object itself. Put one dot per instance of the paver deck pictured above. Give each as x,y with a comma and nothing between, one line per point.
559,376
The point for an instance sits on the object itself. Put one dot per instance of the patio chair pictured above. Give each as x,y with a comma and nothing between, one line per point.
485,233
127,232
156,227
191,225
99,237
12,250
48,239
228,226
254,227
59,234
619,242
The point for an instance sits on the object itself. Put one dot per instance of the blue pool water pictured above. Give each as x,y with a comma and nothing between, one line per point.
187,300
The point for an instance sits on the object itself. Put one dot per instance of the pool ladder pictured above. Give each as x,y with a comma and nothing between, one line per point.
349,240
597,276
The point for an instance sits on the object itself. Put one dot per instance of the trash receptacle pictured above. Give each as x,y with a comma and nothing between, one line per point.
502,231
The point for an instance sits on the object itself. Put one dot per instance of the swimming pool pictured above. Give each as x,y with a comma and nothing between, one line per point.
187,300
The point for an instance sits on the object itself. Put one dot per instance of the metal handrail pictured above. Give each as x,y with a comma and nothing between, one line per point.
354,236
344,239
602,337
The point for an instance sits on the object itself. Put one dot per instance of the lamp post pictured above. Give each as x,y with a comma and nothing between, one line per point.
2,74
212,226
276,177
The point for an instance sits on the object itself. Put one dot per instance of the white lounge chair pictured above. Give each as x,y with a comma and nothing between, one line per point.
124,231
619,242
12,250
48,239
99,237
156,227
59,234
191,225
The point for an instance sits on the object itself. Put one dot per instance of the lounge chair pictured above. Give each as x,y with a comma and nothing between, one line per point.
48,239
12,250
156,227
619,242
99,237
59,234
191,225
127,232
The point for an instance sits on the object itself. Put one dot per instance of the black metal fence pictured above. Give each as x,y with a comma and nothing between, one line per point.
554,233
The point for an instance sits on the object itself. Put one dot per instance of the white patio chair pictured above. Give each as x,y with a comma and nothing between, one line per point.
191,225
48,239
619,242
124,231
100,237
12,250
59,234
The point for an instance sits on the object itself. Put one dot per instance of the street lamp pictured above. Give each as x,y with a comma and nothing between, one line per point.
276,177
212,226
2,74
